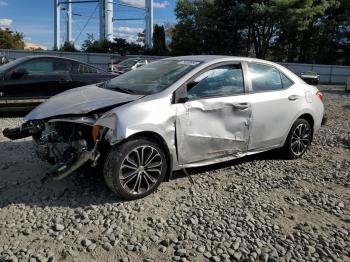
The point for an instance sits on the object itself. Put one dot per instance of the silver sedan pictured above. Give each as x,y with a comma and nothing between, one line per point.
174,114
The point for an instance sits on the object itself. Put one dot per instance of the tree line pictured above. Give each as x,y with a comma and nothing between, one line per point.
305,31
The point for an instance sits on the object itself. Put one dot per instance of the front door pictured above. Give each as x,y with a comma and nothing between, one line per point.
215,121
40,78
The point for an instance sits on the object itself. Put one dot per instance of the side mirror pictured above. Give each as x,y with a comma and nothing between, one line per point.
180,95
19,73
182,100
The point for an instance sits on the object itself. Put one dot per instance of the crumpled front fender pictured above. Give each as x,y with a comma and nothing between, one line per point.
149,115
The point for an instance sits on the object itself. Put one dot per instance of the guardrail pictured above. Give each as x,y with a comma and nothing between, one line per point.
332,74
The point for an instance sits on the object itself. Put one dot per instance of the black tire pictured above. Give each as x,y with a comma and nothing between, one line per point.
125,155
291,148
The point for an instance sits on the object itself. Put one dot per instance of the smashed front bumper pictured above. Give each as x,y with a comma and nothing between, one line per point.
66,143
16,133
60,171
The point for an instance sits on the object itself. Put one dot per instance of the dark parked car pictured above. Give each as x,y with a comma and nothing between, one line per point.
28,81
310,77
130,64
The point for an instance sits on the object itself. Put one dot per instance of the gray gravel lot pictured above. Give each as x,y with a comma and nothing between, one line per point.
259,208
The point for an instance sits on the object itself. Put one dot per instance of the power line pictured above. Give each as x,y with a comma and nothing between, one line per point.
105,17
87,22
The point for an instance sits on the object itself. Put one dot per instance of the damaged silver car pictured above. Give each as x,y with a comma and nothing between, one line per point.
174,114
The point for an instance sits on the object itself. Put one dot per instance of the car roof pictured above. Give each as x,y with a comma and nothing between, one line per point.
212,58
52,57
27,58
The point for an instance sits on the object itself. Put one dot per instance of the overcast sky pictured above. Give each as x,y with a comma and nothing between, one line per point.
36,20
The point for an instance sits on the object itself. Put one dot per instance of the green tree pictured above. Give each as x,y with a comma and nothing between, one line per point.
185,36
283,30
141,37
300,29
334,35
94,46
68,47
119,45
10,39
123,47
159,46
221,25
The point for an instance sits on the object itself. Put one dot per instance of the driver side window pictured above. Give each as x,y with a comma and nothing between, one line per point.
216,82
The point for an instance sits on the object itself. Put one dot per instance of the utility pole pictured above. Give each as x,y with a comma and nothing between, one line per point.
149,24
106,20
105,17
57,44
69,21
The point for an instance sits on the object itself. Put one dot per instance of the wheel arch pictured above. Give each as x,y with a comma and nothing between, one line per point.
159,140
308,117
303,115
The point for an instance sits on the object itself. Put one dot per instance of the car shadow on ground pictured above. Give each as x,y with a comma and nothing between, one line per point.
21,173
13,114
268,155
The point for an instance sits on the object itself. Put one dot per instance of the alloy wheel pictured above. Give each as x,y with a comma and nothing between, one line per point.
140,169
300,139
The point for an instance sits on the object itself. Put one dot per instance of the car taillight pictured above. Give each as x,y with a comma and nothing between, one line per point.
320,96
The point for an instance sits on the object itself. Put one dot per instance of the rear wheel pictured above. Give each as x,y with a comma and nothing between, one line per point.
135,168
299,139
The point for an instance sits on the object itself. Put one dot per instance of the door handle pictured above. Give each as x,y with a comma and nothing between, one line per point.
241,106
293,97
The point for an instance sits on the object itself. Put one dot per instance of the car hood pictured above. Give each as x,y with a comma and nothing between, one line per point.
80,101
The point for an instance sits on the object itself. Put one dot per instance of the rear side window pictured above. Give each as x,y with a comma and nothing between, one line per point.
286,82
85,69
264,78
62,66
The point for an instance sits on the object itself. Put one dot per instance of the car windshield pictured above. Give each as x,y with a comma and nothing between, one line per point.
151,78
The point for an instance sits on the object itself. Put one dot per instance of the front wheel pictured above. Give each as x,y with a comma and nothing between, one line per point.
135,168
298,140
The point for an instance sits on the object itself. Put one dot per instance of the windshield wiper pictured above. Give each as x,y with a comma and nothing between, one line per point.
121,89
117,88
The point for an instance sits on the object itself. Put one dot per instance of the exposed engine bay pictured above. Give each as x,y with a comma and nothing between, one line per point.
59,142
67,144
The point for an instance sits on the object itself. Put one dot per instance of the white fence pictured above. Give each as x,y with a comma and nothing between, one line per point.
333,74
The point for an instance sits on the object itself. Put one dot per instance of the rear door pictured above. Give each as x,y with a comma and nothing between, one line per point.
275,104
215,121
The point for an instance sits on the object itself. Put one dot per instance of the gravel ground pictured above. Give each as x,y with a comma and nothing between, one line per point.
259,208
